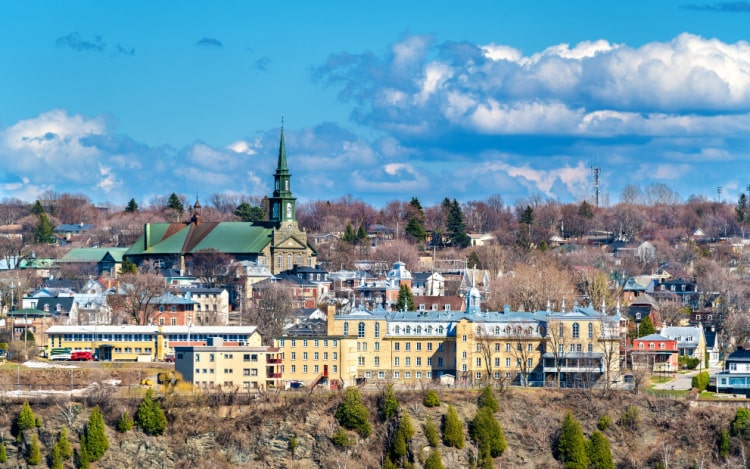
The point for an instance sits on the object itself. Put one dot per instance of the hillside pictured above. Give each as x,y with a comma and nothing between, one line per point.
226,432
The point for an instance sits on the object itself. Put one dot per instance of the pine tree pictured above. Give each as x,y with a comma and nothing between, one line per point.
415,228
431,399
352,413
455,228
175,204
405,299
55,458
3,453
434,461
96,438
66,449
571,446
646,327
361,235
246,212
453,430
486,431
34,456
724,443
741,424
37,209
44,232
341,439
388,464
741,209
599,452
349,236
25,419
402,438
132,207
431,432
150,416
389,404
82,456
128,267
487,399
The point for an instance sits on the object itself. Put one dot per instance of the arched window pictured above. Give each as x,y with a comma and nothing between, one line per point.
361,330
497,330
407,330
377,330
576,330
299,259
278,260
561,330
396,330
418,330
346,328
591,331
289,261
429,330
441,330
479,330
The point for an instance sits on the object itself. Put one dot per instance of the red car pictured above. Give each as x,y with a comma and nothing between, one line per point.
81,356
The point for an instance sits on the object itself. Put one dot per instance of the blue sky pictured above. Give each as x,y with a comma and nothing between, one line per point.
381,100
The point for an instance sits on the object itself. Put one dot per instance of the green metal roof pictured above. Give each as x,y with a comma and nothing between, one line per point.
93,254
227,237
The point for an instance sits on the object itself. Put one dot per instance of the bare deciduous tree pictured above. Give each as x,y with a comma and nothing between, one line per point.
137,297
271,310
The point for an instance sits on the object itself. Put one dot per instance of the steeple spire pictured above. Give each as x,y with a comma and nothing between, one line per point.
281,166
282,202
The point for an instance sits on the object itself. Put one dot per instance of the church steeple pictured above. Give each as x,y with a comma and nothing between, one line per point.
282,203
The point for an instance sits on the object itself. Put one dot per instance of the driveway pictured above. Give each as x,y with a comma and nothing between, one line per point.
683,381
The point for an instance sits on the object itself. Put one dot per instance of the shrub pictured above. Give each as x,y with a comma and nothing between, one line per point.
125,423
388,404
741,424
82,456
388,464
3,453
55,458
400,444
630,417
605,421
487,399
96,438
431,432
724,443
352,413
599,452
486,431
434,461
688,362
431,399
34,456
341,439
701,380
453,431
571,444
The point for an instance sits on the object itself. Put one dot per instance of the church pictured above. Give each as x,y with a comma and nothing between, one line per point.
277,243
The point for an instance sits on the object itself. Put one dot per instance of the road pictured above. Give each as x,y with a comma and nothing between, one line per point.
683,381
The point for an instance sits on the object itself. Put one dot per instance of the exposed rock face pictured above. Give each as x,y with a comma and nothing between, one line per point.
202,433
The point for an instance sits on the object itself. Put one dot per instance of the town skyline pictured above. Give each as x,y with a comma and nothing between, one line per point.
381,105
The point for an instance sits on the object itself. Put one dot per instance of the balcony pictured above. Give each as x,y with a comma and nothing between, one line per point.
276,360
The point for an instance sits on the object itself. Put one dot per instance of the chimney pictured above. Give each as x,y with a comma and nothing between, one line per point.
146,235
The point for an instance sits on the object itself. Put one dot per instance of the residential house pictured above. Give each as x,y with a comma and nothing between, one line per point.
644,306
439,303
103,261
735,377
655,353
210,305
428,284
173,310
481,239
691,342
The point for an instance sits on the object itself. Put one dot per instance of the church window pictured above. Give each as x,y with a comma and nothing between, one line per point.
289,261
299,259
287,184
289,210
278,260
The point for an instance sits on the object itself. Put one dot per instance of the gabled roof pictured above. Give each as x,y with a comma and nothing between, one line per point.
94,255
181,238
654,338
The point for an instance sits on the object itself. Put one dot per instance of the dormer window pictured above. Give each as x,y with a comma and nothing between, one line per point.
58,307
447,307
421,307
46,307
434,306
637,316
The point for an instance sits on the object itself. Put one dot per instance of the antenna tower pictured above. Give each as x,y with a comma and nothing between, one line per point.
597,171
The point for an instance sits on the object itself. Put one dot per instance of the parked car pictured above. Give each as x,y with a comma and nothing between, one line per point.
81,356
169,358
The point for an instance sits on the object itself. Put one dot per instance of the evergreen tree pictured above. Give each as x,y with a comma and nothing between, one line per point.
128,267
55,458
415,228
585,210
724,443
132,207
434,461
486,431
44,232
349,236
741,424
431,432
37,209
82,456
388,464
599,452
96,438
341,439
741,209
34,456
455,228
66,449
405,299
246,212
487,399
25,419
352,413
150,416
431,399
292,446
125,423
571,445
453,430
646,327
389,404
361,235
175,204
3,453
